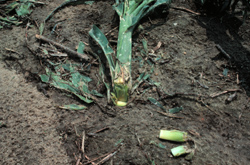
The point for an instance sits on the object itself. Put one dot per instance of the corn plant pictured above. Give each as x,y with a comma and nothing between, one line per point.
130,13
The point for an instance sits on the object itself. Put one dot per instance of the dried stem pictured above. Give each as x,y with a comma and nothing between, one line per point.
223,51
224,92
185,9
66,49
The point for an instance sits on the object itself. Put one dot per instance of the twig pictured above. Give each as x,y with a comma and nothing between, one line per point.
11,50
66,49
155,48
37,2
91,161
111,30
237,80
78,160
185,9
166,114
83,141
193,132
100,130
210,108
224,92
223,51
106,158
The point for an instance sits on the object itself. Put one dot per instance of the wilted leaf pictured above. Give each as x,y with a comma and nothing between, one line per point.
155,102
94,92
85,99
79,80
119,142
139,80
24,9
41,28
145,46
81,47
153,82
225,71
11,20
175,110
89,2
158,144
73,107
45,51
44,78
11,7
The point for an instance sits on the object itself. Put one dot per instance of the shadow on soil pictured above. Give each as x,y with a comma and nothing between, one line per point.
228,39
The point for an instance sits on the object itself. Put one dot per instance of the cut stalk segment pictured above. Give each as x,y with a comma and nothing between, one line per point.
173,135
180,150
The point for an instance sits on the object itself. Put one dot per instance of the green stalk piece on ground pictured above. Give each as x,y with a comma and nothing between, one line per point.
180,150
130,13
173,135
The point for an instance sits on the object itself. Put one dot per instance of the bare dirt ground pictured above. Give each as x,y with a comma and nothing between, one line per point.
34,130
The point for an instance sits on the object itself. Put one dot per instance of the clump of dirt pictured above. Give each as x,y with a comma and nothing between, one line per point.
194,74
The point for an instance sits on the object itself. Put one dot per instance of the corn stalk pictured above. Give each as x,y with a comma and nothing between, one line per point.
130,13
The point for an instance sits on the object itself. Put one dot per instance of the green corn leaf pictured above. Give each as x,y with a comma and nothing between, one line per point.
44,78
155,102
64,86
80,48
139,80
11,20
94,92
175,110
158,144
45,52
24,9
225,71
145,46
119,8
84,88
76,78
119,142
71,87
89,2
11,7
100,38
85,99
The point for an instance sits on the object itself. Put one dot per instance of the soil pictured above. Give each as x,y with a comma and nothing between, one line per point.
34,130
